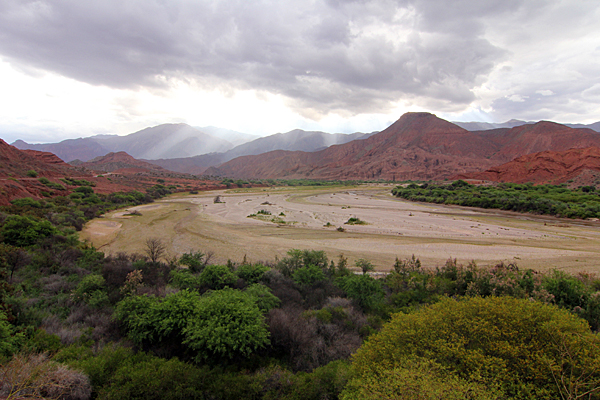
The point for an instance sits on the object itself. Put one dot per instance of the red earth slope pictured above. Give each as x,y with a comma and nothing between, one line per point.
546,167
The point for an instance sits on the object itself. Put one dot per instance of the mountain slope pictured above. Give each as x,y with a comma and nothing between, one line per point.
417,146
162,141
16,163
67,150
114,162
15,179
513,123
294,140
544,167
165,141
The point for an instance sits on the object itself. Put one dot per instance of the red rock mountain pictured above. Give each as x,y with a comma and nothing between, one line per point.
15,182
16,163
119,162
417,146
546,167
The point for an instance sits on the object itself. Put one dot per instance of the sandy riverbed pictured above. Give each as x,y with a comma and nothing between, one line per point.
394,228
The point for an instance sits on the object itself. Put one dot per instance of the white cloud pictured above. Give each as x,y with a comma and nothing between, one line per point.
517,98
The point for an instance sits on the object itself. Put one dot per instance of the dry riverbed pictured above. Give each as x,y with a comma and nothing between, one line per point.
308,219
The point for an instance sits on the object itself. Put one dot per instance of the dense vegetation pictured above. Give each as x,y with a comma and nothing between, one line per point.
77,324
557,200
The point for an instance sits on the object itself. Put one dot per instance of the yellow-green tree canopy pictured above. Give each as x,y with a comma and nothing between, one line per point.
521,348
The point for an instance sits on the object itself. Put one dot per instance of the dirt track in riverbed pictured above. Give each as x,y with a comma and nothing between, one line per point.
394,228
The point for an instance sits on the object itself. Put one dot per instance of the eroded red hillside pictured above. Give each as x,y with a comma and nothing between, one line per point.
546,167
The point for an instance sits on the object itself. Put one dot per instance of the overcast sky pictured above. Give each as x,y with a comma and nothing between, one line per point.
73,68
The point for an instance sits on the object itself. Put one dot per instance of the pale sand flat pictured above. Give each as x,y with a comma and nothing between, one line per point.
395,228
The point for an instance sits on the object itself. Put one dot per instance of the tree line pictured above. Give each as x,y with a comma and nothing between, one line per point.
557,200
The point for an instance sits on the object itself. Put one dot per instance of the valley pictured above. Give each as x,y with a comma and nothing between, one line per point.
309,218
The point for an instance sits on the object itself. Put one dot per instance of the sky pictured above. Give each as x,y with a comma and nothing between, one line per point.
76,68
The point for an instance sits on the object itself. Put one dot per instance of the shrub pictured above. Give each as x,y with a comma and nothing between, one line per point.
251,273
308,275
92,291
32,173
25,231
194,260
301,258
9,340
355,221
366,291
35,376
264,298
150,320
226,323
416,379
26,202
217,277
523,348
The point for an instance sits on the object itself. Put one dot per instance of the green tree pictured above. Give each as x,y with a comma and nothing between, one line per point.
364,265
92,290
264,298
217,277
194,260
150,320
251,273
366,291
301,258
24,231
308,275
9,340
226,323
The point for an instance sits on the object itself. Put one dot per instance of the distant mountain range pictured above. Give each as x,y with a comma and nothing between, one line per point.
162,141
172,145
513,123
297,139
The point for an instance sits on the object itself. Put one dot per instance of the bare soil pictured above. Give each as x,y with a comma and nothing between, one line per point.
299,219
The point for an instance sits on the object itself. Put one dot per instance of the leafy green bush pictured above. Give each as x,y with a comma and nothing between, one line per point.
251,273
366,291
416,378
308,275
26,202
26,231
263,296
226,323
301,258
92,291
10,341
194,260
355,221
567,290
520,347
184,279
217,277
149,319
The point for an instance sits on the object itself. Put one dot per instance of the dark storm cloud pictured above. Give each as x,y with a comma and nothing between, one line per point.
353,56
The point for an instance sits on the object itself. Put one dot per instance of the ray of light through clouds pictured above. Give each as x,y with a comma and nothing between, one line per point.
72,68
